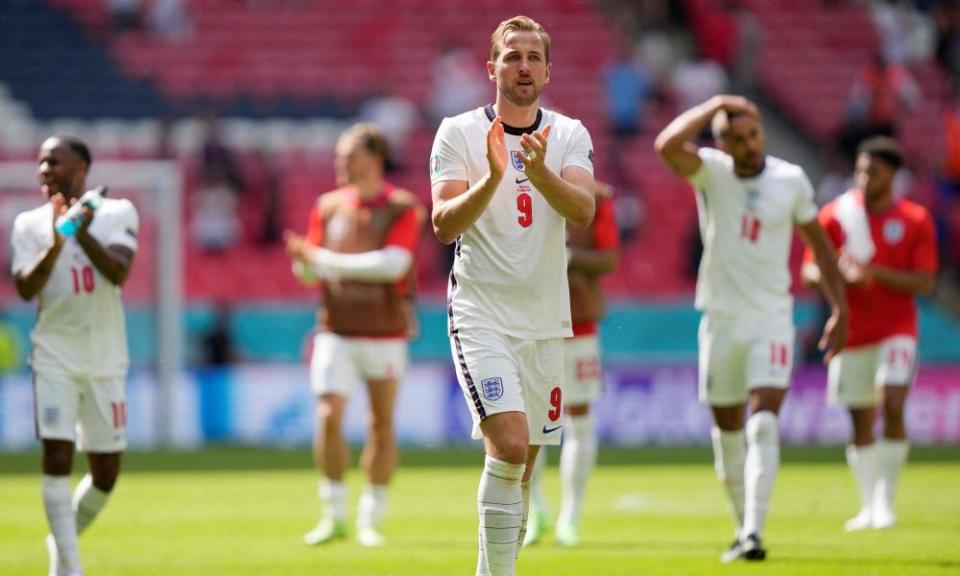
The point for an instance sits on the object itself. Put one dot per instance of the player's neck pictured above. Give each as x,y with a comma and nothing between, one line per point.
516,116
878,203
369,188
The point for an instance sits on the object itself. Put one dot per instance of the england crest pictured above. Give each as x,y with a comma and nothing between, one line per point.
516,160
492,388
893,231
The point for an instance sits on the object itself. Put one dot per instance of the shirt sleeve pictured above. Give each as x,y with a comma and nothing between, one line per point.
832,229
448,156
805,209
711,160
925,254
580,153
125,232
606,236
24,246
315,227
405,230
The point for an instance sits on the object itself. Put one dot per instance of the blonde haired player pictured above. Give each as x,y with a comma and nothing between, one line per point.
359,245
506,179
79,355
749,204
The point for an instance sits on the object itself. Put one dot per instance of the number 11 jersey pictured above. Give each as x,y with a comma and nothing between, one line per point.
747,229
510,269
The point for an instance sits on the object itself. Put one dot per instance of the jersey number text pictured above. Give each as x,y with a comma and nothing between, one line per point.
82,279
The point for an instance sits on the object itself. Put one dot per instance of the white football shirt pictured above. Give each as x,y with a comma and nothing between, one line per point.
747,230
510,270
80,321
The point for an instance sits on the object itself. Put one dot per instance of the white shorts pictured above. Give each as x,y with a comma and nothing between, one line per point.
856,374
339,362
91,411
740,353
499,373
583,378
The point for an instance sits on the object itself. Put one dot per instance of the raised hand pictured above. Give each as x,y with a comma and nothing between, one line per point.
496,148
297,246
535,152
738,105
59,209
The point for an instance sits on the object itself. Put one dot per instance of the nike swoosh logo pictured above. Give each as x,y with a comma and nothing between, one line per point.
521,180
549,430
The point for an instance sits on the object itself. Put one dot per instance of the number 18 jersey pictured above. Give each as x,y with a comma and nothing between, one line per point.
510,270
747,230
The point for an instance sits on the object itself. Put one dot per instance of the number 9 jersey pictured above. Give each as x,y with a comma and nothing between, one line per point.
510,270
80,322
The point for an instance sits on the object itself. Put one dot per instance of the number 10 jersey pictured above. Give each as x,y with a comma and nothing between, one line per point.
80,321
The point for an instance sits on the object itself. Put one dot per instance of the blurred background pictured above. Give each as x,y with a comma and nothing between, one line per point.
218,118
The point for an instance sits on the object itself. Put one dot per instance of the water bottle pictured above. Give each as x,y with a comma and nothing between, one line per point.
71,220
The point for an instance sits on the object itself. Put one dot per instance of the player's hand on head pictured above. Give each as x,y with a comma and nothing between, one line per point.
739,105
496,148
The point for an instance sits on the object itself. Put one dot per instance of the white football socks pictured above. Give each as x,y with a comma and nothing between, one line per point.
577,459
538,497
88,500
760,470
372,506
525,495
891,457
729,453
333,496
59,509
500,505
863,464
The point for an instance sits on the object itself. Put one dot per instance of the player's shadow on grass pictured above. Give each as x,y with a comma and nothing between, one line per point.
870,562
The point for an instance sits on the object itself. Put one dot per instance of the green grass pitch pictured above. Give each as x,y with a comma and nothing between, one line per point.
649,512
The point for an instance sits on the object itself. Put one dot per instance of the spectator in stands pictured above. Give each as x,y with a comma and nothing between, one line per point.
396,116
697,81
214,224
216,158
883,91
267,185
167,18
628,87
458,83
125,15
217,341
946,19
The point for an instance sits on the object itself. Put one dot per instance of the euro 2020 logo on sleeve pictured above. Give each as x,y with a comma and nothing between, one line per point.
492,388
434,164
516,160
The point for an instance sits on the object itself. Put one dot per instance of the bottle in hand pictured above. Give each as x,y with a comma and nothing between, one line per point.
71,220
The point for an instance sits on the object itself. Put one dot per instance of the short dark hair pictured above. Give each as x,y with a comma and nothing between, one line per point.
883,148
78,146
721,122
